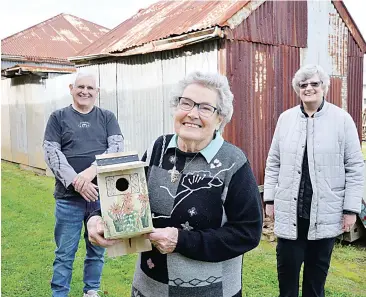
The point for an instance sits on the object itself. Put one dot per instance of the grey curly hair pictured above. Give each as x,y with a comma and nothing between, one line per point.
213,81
307,72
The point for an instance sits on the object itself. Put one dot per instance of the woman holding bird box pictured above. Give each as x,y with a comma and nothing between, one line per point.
204,200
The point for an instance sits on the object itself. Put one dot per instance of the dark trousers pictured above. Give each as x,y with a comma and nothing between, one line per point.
315,254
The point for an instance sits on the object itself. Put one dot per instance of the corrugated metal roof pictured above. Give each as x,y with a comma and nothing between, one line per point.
164,19
56,38
33,68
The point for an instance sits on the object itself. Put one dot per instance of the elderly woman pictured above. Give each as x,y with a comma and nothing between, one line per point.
314,177
204,200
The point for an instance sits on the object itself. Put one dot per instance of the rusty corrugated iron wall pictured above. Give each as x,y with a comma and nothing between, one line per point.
260,77
275,22
335,91
261,60
354,82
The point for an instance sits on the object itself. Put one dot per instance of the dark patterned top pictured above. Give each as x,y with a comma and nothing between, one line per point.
71,141
216,207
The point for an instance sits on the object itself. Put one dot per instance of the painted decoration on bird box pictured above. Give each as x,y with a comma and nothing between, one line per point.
124,196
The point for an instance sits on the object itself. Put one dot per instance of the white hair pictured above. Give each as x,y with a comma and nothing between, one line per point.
82,74
213,81
308,71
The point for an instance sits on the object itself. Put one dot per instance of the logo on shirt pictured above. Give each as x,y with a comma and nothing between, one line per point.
84,125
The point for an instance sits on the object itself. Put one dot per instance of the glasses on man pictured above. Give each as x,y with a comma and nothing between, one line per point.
204,109
314,84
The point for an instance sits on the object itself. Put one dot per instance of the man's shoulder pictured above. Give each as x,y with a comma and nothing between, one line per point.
61,112
104,112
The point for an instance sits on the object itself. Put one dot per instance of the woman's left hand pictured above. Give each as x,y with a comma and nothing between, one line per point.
348,221
164,239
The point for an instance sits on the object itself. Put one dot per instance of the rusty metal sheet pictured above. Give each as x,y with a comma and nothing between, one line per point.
164,19
260,77
59,37
335,91
275,22
354,83
351,25
337,42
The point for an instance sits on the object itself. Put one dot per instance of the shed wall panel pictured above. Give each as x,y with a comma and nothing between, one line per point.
260,78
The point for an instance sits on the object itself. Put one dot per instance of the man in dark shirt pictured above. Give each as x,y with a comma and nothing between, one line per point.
73,136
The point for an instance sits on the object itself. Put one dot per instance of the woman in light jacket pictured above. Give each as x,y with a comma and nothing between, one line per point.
313,183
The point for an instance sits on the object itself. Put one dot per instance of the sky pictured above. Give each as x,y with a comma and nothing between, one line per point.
17,15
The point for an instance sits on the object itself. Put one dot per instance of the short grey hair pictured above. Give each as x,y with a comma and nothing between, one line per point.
83,74
215,82
307,72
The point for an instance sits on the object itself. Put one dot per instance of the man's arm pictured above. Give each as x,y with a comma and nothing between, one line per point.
53,155
57,162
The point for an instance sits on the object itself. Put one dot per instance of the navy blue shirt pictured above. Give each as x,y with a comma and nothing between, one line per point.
81,137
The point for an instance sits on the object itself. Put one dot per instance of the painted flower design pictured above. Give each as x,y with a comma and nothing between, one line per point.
192,211
200,180
150,263
143,198
128,206
116,209
186,226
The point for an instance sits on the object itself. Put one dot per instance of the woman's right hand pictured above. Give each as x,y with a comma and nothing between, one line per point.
95,228
270,210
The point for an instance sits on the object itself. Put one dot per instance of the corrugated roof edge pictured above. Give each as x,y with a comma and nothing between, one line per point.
225,22
160,44
54,60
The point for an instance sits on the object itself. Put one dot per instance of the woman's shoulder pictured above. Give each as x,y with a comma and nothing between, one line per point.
163,140
159,143
233,152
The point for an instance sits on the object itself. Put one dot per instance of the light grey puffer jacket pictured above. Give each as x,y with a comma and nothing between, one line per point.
335,167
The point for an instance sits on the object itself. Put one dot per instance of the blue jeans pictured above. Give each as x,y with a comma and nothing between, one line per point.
70,215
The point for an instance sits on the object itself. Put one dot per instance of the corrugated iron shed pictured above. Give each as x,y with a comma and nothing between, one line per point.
54,39
165,19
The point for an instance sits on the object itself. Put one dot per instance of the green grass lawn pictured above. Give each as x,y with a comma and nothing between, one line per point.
27,250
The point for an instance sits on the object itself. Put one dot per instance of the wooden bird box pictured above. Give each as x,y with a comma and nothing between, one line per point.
124,201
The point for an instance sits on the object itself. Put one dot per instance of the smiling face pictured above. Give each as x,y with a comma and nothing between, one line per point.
311,94
84,92
191,126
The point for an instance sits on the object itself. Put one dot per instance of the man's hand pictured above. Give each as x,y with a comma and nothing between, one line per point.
95,228
164,239
89,192
348,221
270,210
82,179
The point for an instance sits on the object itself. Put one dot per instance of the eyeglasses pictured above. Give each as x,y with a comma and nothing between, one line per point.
314,84
204,109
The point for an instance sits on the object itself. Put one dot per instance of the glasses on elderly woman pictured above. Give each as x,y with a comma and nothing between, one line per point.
204,109
314,84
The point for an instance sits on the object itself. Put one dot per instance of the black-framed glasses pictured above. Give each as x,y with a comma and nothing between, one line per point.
314,84
204,109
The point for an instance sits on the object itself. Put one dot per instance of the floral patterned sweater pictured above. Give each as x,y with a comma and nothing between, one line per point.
216,206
